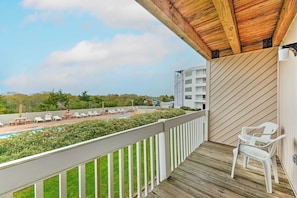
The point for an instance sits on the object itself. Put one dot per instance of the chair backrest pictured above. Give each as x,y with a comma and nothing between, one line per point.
269,129
273,144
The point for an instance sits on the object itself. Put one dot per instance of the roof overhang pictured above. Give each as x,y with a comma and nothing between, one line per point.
218,28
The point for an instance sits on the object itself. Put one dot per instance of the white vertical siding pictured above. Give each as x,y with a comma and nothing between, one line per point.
288,107
243,92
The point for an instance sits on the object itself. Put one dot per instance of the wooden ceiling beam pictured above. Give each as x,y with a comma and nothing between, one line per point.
168,15
226,14
287,14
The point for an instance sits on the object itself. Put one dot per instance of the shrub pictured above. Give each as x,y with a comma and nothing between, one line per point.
33,142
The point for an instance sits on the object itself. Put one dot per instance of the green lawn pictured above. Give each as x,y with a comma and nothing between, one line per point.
51,186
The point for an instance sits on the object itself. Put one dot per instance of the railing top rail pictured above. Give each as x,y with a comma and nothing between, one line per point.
176,121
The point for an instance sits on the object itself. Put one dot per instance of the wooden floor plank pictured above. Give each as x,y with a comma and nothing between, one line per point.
207,173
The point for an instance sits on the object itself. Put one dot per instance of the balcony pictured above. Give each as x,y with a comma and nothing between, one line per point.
206,173
163,157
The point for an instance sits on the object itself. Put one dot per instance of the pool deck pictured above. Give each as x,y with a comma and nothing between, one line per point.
33,125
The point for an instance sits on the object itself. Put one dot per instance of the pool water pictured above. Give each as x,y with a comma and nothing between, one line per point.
5,135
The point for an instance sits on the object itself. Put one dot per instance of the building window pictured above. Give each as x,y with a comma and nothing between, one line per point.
203,96
188,97
188,73
188,89
188,81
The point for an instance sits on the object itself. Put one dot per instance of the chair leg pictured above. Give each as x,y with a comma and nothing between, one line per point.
245,161
235,154
267,174
274,168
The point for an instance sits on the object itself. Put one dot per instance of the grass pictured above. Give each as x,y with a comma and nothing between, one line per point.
51,185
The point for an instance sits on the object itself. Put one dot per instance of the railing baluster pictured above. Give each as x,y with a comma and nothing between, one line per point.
187,139
63,184
175,146
130,169
145,167
178,137
97,178
157,159
192,136
171,150
138,161
38,189
82,180
152,162
182,142
121,173
110,174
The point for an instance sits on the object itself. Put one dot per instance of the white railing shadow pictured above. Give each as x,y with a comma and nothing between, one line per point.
160,148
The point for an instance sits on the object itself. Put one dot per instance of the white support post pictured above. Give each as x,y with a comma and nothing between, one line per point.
164,147
205,138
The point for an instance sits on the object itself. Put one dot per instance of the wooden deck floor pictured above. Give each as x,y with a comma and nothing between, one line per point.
206,173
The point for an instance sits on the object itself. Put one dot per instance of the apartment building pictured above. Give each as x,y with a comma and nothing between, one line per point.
190,87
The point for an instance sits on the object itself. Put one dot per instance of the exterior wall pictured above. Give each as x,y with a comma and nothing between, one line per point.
179,88
190,87
242,92
288,107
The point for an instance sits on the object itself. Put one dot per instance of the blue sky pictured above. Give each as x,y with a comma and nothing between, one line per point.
99,46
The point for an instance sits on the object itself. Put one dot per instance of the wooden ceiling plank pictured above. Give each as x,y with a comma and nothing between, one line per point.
168,15
226,14
286,17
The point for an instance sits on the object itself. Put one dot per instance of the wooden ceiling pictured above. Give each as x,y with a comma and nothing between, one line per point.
218,28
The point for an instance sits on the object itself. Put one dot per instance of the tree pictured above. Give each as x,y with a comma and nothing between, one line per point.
3,105
84,97
59,99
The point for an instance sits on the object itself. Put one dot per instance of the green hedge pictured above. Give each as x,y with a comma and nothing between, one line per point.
34,142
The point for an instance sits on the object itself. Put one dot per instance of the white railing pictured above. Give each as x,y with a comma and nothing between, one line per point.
145,156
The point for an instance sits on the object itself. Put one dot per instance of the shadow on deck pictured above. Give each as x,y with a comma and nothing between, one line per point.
206,173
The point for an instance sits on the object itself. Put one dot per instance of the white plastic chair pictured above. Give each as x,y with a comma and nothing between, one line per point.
260,153
269,128
38,119
57,118
48,117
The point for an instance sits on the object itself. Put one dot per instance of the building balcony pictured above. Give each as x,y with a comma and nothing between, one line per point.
170,156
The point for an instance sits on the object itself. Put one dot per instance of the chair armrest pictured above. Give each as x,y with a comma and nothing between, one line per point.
266,144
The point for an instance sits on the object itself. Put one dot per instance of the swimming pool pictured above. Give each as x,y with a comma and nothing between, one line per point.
6,135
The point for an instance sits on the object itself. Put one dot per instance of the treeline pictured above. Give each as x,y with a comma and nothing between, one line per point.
52,101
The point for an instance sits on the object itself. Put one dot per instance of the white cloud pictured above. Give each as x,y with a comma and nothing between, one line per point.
116,13
93,63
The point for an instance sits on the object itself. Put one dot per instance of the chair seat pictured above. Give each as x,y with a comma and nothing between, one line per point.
253,152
